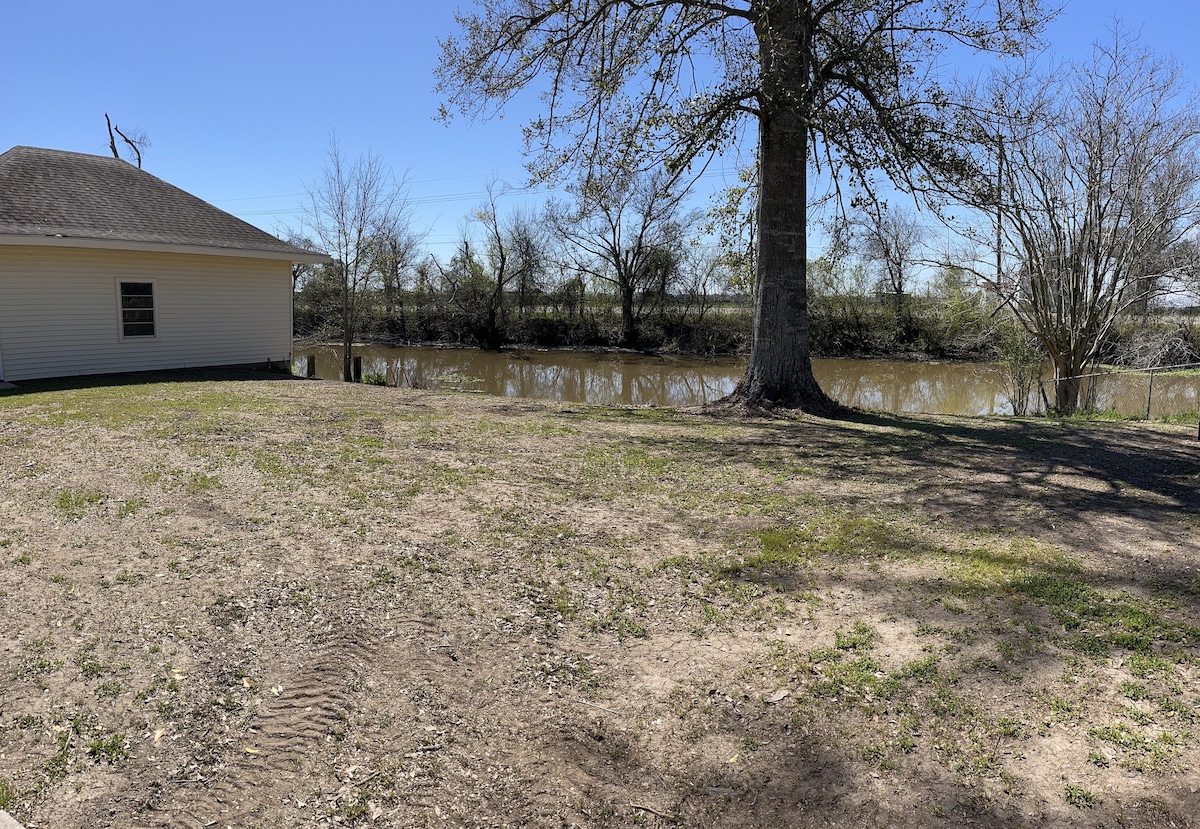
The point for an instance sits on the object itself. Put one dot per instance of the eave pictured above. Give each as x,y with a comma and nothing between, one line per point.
295,257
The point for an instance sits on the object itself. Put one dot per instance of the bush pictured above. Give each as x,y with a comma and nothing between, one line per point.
1022,359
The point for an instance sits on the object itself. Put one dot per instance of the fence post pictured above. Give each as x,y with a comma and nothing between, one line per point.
1149,395
357,369
310,366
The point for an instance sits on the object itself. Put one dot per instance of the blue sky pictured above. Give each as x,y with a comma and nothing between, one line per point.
239,99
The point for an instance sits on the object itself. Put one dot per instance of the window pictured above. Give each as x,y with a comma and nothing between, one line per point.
137,309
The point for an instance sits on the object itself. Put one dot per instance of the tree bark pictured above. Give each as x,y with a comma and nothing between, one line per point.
780,366
1067,384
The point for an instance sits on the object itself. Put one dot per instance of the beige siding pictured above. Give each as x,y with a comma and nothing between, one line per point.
58,311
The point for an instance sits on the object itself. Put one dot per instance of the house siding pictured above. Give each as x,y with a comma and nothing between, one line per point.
59,311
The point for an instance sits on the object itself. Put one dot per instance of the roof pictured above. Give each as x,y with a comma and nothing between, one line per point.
58,198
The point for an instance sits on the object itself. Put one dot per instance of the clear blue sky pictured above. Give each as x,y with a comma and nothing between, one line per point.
239,98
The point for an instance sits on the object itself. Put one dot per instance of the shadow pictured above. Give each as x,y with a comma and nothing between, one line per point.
987,473
143,378
1004,623
1123,499
994,474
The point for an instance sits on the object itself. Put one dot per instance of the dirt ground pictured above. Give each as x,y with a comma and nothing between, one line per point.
286,603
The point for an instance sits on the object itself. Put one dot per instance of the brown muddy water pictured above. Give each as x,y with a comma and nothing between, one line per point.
621,379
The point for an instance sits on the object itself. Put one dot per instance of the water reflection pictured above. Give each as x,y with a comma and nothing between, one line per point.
639,380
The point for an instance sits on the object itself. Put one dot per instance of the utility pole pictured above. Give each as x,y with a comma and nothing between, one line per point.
999,208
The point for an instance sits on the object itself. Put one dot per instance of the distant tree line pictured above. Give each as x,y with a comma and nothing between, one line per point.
632,268
1078,227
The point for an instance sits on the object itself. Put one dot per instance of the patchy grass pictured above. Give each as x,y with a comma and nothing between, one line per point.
345,602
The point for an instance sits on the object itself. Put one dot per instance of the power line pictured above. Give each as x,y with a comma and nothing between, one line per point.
430,199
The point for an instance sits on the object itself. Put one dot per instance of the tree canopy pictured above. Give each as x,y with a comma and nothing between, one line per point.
848,84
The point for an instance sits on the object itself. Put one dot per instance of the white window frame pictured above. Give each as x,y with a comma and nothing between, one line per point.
121,335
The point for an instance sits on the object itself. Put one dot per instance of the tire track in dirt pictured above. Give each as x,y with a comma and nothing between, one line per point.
277,761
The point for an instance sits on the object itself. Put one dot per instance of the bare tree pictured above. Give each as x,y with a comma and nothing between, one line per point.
136,139
848,83
1099,190
352,205
396,254
733,221
513,260
499,258
627,231
890,240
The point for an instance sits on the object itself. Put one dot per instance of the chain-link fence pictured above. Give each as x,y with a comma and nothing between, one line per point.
1171,392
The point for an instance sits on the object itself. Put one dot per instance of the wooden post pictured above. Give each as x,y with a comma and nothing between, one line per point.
357,370
1149,395
310,365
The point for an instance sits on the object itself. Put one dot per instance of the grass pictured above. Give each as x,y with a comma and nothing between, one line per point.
74,504
904,591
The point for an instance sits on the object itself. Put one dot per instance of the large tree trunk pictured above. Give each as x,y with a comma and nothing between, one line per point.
1067,383
780,366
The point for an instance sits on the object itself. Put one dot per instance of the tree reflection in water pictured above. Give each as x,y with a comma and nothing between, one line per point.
622,379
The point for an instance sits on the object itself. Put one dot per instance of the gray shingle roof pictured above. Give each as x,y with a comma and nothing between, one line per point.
52,193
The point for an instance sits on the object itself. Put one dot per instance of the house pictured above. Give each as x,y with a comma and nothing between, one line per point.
105,268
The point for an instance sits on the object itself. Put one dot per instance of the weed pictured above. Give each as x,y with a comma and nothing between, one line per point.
8,795
1140,752
200,483
108,690
1174,708
625,604
89,664
130,506
923,668
1134,691
383,576
111,750
551,602
125,577
1064,710
40,664
225,611
1148,665
1080,797
569,670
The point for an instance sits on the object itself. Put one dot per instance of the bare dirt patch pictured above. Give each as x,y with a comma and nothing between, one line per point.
285,603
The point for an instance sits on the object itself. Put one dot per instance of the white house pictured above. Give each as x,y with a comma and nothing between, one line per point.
105,268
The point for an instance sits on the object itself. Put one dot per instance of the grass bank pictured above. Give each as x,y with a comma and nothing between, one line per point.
285,603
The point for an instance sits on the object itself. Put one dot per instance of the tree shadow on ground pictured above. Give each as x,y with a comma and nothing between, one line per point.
1052,477
1012,617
